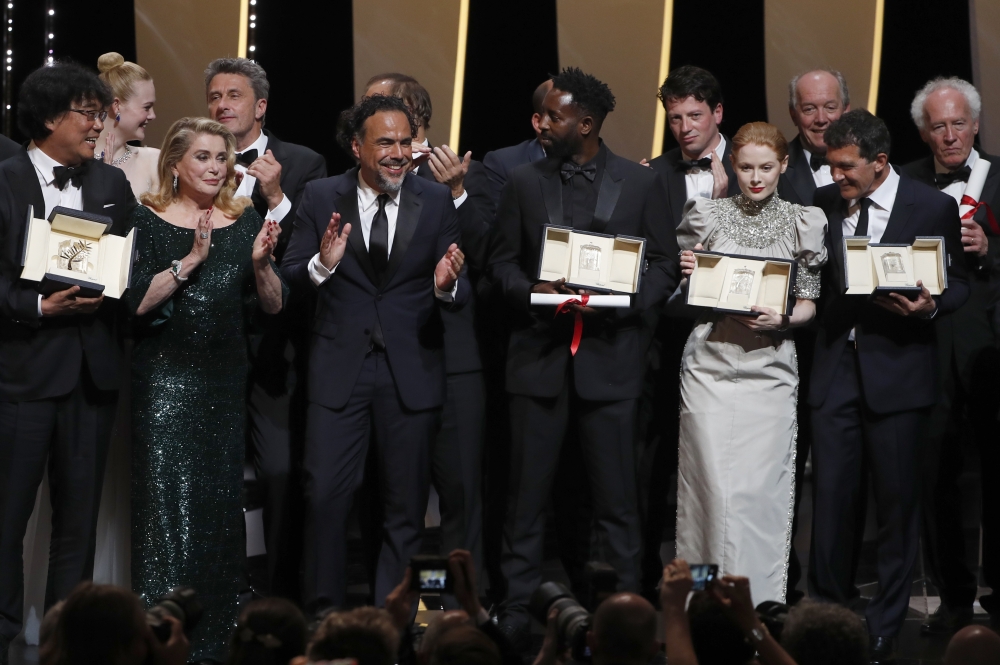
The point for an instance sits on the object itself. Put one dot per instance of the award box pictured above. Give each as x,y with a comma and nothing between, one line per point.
592,261
872,268
74,248
733,283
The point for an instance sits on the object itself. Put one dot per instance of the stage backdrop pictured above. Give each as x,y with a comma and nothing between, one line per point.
985,28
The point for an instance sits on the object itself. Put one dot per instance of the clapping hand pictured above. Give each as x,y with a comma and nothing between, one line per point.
333,245
420,153
450,169
109,148
267,170
721,185
202,237
448,268
265,242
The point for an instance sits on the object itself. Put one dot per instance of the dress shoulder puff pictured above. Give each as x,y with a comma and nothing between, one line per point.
810,237
698,222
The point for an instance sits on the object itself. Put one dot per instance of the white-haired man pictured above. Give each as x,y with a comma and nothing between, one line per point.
946,111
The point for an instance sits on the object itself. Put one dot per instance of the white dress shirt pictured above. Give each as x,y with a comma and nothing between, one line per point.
70,196
367,208
957,189
465,193
879,210
699,181
821,176
246,187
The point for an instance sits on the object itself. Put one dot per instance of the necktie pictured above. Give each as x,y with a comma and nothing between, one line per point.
688,164
378,239
570,169
63,174
942,180
247,157
862,229
817,161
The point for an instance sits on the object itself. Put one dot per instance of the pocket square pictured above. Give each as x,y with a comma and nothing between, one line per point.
108,205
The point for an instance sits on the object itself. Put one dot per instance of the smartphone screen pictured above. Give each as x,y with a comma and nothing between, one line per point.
703,574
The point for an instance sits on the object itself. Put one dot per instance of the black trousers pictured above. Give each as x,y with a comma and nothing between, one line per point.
70,437
962,416
607,435
846,435
457,469
336,447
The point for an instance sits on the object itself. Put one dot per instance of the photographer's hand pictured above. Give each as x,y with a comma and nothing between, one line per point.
674,589
175,651
549,655
399,603
734,592
463,572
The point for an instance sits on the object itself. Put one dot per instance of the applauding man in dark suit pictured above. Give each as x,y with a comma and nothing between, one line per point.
583,185
380,249
946,111
873,378
59,354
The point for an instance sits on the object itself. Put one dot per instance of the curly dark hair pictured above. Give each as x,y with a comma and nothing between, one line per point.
589,93
351,122
52,90
824,634
271,631
691,81
860,128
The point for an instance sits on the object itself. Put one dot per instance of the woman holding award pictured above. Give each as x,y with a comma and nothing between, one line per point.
739,380
204,262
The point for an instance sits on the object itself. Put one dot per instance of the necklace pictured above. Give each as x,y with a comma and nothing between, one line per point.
124,158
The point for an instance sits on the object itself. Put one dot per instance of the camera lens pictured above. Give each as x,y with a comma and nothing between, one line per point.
180,603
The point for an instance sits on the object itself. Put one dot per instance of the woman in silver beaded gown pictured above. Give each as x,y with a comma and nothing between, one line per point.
739,380
203,265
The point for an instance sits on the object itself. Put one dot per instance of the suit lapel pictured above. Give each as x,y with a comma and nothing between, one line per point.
406,224
902,210
835,233
733,187
551,184
676,186
800,172
347,206
93,190
27,191
607,195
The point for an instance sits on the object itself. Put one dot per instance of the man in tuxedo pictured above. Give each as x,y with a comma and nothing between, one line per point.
59,353
700,165
873,378
274,175
946,111
457,452
377,345
596,384
815,99
499,163
8,148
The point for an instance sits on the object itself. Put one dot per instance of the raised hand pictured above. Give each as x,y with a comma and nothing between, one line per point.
267,170
334,244
448,268
675,585
265,242
721,186
64,303
202,237
450,169
464,573
109,148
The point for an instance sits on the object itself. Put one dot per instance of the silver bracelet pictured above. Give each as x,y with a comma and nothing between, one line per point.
175,270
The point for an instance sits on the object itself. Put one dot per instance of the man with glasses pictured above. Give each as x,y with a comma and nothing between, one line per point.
59,356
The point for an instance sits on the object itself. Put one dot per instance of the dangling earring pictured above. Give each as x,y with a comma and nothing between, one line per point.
175,183
118,117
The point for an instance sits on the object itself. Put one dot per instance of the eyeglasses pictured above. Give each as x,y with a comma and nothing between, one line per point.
92,115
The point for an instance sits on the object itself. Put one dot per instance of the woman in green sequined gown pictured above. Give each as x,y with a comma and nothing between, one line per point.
189,375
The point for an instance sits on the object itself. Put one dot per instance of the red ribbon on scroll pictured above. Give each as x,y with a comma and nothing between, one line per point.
577,319
976,205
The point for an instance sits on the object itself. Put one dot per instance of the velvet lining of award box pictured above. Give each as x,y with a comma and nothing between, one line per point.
593,261
733,283
872,268
74,248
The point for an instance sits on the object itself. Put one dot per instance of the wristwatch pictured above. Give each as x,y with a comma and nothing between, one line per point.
175,270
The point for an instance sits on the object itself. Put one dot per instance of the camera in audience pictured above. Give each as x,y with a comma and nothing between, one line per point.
182,604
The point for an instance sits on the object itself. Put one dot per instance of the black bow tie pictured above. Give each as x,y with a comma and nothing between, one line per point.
246,158
63,174
942,180
570,169
688,164
817,161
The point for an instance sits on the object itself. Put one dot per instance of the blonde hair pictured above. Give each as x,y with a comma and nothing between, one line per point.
121,76
176,144
761,133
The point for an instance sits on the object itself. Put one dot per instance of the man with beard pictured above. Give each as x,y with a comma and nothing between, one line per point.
583,185
380,250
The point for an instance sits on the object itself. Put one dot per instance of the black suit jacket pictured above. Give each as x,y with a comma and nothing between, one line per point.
896,354
350,302
965,333
475,221
609,363
299,165
41,358
499,163
796,184
8,148
673,179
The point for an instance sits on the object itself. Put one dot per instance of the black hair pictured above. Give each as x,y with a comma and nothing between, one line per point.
691,81
590,94
715,635
271,631
351,122
52,90
860,128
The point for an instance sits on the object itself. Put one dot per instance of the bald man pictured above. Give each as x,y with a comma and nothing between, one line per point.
499,163
624,631
973,645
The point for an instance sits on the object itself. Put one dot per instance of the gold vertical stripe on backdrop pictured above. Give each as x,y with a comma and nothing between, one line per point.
456,100
660,123
876,57
241,50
